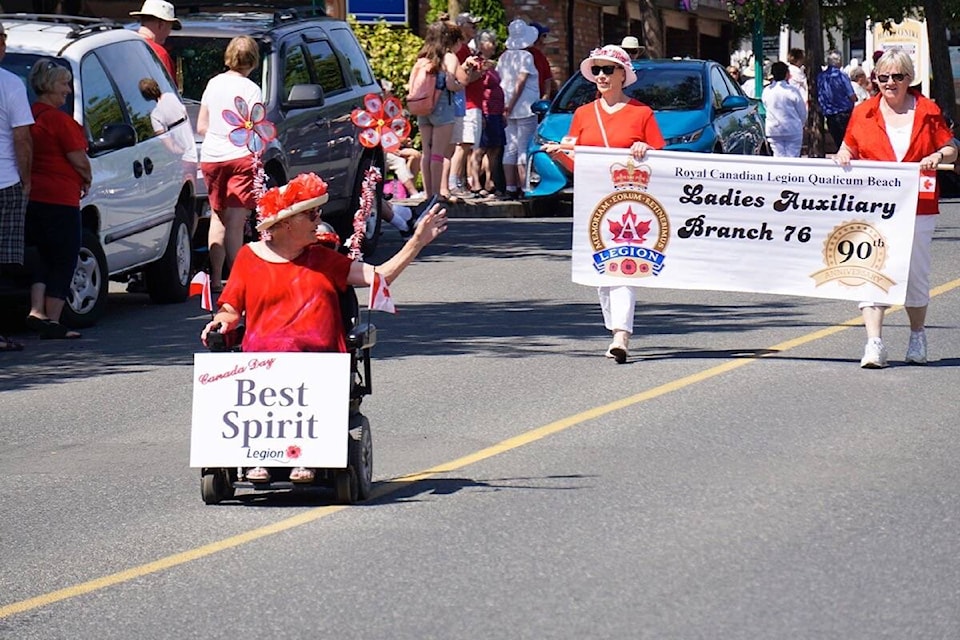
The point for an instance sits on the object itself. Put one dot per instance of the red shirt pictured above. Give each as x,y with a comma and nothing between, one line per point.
543,70
473,92
633,123
55,134
164,56
867,138
290,306
493,103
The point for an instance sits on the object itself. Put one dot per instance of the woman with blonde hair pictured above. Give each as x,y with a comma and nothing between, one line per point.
901,125
228,169
60,177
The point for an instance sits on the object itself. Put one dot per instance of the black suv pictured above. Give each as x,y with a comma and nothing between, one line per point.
313,73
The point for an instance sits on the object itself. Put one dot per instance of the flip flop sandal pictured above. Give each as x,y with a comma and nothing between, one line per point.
6,344
56,331
36,324
258,474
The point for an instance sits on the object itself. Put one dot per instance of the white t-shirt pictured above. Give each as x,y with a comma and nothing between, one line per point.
14,112
512,63
219,96
170,112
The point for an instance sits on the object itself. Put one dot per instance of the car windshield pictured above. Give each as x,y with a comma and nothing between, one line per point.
662,89
20,64
196,60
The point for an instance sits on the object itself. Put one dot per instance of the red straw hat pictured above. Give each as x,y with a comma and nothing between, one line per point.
306,191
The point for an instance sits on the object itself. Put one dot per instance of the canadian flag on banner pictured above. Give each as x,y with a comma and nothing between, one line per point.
200,285
928,185
380,299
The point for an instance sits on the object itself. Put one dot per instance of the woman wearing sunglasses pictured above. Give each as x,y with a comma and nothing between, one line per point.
613,120
901,125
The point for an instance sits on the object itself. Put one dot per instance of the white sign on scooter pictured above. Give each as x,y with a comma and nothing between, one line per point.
270,410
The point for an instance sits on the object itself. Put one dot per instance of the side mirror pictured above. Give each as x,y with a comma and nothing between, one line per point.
114,136
732,103
304,96
540,107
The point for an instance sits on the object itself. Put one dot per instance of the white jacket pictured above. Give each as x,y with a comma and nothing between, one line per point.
786,110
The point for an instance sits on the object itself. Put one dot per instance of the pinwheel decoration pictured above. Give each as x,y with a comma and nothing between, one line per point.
381,123
252,129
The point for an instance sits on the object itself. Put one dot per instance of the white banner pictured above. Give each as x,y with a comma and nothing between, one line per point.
270,409
791,226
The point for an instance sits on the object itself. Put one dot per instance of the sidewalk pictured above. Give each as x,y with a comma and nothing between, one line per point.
469,208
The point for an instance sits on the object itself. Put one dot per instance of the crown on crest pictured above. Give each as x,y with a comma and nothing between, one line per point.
630,176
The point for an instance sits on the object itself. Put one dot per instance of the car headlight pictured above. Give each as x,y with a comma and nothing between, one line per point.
686,138
539,139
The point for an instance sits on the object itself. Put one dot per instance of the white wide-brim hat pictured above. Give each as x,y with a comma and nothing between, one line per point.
305,192
609,53
521,35
160,9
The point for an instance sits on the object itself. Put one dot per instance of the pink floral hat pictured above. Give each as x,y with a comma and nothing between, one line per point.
609,53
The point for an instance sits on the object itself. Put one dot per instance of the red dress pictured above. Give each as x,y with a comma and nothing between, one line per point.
290,306
632,123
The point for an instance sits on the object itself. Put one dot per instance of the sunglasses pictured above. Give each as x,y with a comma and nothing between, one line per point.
313,214
897,77
607,69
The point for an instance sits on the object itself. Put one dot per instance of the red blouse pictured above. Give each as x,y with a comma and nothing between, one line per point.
867,138
290,306
55,134
632,123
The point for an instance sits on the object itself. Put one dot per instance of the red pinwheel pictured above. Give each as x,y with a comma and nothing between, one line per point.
381,123
253,130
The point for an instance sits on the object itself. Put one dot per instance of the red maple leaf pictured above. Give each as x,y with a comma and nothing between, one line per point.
630,231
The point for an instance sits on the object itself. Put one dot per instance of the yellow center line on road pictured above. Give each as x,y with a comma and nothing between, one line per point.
392,486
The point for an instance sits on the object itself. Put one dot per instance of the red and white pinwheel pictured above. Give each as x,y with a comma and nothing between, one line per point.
381,123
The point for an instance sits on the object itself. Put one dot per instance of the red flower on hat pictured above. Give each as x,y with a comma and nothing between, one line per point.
381,123
253,130
610,52
304,187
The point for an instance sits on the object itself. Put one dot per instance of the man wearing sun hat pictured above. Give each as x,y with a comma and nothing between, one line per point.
521,88
157,20
632,46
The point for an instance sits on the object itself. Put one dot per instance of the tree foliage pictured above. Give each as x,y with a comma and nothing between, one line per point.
392,51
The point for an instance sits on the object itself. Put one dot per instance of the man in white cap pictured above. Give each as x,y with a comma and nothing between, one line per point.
632,46
157,20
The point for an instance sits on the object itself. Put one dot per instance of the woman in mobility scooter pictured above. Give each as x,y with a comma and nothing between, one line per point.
287,288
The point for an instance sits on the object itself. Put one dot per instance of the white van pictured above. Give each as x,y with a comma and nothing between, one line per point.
137,217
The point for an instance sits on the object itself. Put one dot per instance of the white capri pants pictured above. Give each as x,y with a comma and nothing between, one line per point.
618,305
918,281
519,132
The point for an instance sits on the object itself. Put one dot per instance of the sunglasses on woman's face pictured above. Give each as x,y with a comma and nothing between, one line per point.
607,69
312,215
897,77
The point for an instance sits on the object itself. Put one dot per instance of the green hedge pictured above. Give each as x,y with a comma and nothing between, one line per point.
392,51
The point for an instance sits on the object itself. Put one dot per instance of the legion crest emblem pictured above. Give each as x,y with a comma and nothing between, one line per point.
629,229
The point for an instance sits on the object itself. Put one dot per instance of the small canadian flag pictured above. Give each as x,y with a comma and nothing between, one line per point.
200,285
380,299
928,185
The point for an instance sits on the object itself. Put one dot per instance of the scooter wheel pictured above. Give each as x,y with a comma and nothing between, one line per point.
215,486
360,455
346,486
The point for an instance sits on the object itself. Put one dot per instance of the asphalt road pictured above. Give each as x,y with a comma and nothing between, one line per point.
740,477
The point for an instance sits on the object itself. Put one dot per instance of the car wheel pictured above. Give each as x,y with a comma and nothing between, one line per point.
87,297
168,279
344,223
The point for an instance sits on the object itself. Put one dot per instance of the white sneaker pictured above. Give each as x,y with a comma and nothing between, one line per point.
874,355
917,349
618,348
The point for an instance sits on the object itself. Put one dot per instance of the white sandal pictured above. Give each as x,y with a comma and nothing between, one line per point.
258,474
302,474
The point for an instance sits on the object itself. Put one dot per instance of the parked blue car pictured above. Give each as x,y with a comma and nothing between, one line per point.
696,103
